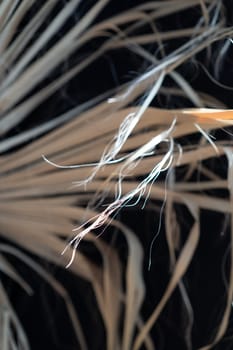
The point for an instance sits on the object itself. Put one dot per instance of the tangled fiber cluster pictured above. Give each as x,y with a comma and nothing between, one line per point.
85,143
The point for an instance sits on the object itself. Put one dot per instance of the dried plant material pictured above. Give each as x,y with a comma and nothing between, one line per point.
65,178
179,270
12,332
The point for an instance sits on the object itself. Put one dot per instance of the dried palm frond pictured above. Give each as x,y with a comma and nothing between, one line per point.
86,163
